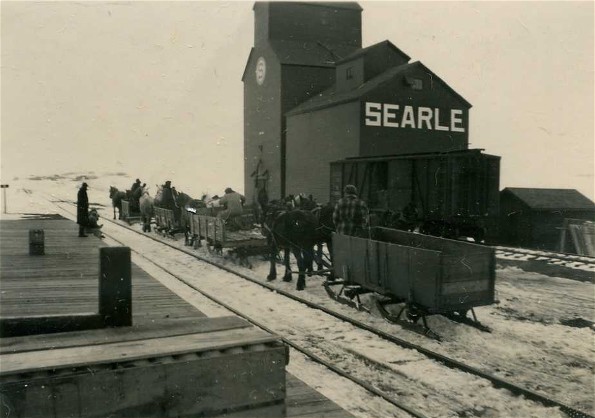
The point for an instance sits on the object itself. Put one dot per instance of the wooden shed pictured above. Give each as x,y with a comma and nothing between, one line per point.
534,218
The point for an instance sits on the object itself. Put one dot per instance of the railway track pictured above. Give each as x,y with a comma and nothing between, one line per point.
315,346
570,266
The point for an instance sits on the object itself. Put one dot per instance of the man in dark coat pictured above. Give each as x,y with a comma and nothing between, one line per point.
135,194
167,196
82,209
135,185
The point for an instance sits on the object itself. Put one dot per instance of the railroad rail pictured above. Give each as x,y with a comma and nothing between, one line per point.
446,361
570,266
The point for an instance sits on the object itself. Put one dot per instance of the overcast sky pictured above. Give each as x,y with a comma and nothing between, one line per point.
154,89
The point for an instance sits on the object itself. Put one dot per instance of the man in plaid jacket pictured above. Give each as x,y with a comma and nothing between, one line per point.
351,213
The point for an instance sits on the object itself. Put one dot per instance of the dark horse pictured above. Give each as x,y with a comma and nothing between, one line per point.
325,229
292,230
117,197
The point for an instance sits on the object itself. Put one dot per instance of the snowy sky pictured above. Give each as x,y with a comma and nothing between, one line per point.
154,89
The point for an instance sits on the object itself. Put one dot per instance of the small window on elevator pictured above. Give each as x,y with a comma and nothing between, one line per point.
414,83
349,73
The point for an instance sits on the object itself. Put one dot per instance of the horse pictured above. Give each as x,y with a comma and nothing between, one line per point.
116,197
406,219
324,216
325,229
135,198
158,196
186,201
146,209
292,230
305,203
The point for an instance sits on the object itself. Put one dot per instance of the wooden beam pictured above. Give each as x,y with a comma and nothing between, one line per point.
47,324
115,286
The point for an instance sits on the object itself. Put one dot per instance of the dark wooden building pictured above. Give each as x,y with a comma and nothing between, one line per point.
313,95
380,105
296,45
534,218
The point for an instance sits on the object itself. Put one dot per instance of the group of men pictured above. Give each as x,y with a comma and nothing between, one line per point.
350,215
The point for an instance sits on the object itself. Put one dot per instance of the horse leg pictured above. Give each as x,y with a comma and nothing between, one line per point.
114,212
301,262
287,275
273,258
329,246
308,259
319,256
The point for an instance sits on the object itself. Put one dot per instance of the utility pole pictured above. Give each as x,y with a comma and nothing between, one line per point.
4,187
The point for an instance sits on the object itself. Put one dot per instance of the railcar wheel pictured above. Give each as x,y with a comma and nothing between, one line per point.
413,313
462,313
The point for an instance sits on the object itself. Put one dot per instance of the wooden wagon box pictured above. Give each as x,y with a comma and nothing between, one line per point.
164,217
437,274
198,367
127,214
214,231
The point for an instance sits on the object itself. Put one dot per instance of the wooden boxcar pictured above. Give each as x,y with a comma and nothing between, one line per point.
436,275
456,191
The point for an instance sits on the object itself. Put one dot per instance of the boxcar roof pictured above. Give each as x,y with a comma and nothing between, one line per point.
550,198
332,4
465,152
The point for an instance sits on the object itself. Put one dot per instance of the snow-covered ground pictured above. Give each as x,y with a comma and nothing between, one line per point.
528,345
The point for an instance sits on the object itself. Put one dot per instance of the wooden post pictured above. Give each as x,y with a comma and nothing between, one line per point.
36,242
563,236
4,187
115,286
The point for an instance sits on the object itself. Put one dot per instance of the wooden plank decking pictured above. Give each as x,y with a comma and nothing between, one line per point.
64,281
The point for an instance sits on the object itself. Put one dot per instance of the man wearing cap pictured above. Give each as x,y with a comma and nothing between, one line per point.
234,207
135,192
82,209
167,196
135,185
351,213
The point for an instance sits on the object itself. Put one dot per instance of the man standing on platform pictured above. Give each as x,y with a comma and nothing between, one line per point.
82,209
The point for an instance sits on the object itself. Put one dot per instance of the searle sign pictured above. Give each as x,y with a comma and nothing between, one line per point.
416,117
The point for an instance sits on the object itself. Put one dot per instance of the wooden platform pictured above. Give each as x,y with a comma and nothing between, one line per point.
64,281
